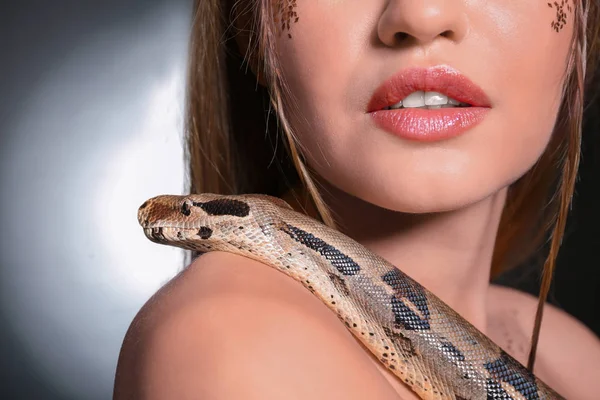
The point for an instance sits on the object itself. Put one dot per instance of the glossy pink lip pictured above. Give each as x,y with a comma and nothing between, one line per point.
422,124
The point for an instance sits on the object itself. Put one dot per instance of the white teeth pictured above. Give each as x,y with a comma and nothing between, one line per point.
425,99
415,99
435,99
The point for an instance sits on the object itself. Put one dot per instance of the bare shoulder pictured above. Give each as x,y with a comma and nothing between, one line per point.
568,352
229,327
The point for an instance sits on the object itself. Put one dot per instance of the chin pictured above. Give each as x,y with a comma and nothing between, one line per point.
438,204
399,202
422,196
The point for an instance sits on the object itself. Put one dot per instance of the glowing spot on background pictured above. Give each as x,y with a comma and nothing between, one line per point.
149,163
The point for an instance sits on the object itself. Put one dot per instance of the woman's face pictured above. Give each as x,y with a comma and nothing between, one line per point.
341,51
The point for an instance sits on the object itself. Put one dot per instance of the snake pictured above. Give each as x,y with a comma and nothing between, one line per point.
415,335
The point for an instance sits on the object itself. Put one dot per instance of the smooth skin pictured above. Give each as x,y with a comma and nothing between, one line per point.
228,327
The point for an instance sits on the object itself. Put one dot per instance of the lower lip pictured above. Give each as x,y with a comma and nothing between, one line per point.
425,125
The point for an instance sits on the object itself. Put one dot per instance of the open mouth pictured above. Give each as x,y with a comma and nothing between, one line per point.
428,101
428,104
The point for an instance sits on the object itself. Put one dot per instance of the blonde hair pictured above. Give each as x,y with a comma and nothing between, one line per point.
239,139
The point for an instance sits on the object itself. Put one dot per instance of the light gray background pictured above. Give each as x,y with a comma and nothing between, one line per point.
91,121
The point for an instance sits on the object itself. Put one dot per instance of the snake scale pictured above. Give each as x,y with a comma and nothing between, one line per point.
425,343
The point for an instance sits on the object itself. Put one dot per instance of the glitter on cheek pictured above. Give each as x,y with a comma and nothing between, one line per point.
561,16
284,14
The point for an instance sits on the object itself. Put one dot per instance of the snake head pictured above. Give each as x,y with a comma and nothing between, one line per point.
187,211
197,220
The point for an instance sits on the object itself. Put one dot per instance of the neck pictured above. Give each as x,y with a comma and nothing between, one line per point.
450,253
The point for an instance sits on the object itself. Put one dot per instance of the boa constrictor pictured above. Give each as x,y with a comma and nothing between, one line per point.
419,338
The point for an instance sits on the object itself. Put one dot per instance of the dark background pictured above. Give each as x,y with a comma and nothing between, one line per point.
576,285
91,91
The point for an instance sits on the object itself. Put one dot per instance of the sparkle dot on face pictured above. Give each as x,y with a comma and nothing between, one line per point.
284,14
561,16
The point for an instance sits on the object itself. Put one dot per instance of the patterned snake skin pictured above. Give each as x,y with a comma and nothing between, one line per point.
425,343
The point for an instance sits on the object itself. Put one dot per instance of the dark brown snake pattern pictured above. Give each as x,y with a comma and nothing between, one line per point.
425,343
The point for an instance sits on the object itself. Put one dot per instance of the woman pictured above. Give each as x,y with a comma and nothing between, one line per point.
451,195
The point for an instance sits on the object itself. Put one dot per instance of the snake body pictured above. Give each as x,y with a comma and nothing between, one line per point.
420,339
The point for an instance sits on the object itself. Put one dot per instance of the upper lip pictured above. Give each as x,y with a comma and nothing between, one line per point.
441,78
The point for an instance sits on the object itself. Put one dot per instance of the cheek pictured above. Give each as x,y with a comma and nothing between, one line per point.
321,63
526,65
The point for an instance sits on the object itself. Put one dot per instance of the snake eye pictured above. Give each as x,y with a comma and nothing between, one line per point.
185,208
